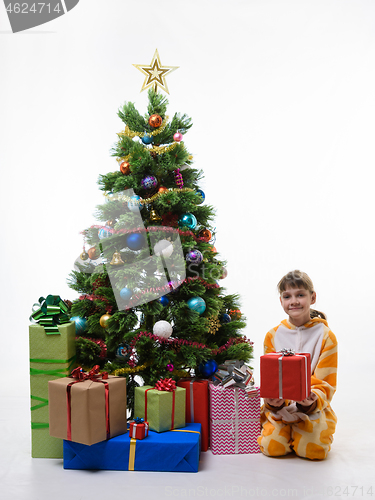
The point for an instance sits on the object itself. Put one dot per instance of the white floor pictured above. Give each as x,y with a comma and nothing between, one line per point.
346,473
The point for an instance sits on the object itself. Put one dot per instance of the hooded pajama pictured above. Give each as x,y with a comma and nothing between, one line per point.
310,436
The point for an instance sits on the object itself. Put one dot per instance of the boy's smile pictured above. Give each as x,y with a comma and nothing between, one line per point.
296,303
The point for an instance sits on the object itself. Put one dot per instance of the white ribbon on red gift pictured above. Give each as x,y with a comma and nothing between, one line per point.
134,429
290,352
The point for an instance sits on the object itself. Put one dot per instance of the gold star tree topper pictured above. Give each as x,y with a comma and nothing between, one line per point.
155,73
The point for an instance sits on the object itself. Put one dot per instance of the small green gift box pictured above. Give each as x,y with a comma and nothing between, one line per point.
52,356
163,409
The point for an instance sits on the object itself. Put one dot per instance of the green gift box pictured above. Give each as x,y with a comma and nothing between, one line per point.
52,356
163,410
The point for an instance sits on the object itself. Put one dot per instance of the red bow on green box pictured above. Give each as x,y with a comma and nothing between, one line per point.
165,384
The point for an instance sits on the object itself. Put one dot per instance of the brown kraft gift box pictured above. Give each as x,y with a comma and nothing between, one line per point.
88,409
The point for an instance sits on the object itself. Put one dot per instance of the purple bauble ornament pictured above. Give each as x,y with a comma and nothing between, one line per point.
194,257
170,367
149,182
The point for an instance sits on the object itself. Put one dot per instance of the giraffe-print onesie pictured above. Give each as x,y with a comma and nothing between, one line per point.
310,436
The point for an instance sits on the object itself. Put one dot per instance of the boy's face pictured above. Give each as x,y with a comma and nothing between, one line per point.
296,303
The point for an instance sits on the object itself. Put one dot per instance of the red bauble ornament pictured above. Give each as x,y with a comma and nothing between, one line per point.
205,234
125,168
155,121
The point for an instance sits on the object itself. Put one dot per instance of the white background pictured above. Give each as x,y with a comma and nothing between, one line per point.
282,98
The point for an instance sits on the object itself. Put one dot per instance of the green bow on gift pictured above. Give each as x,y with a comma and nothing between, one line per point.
50,312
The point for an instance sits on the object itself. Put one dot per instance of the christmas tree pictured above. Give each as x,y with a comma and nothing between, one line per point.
151,304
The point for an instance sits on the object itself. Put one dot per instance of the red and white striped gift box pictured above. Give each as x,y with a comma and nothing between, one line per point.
234,420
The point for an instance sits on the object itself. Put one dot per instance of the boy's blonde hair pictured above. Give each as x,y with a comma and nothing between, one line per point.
299,279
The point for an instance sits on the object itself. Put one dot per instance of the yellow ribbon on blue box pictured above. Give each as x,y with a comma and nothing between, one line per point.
172,451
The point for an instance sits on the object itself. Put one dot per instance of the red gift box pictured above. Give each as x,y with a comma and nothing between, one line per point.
138,430
196,408
285,375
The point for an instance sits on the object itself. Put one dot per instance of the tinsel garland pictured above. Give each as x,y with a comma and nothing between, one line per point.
168,288
155,149
130,133
165,229
204,282
162,290
174,342
93,297
136,369
119,197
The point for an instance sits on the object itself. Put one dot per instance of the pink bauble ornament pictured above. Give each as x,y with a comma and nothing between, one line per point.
177,137
170,367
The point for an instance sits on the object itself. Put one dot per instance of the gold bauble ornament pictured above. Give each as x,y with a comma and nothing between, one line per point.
110,223
104,320
116,259
84,255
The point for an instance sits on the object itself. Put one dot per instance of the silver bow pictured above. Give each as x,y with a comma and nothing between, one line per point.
287,352
234,373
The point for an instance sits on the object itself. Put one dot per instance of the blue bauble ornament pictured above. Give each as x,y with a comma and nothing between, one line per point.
188,220
133,203
208,368
199,191
80,324
103,233
164,301
197,304
123,352
194,257
149,182
226,318
135,241
126,293
147,139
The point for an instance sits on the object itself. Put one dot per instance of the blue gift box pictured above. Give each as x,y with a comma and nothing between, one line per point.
172,451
